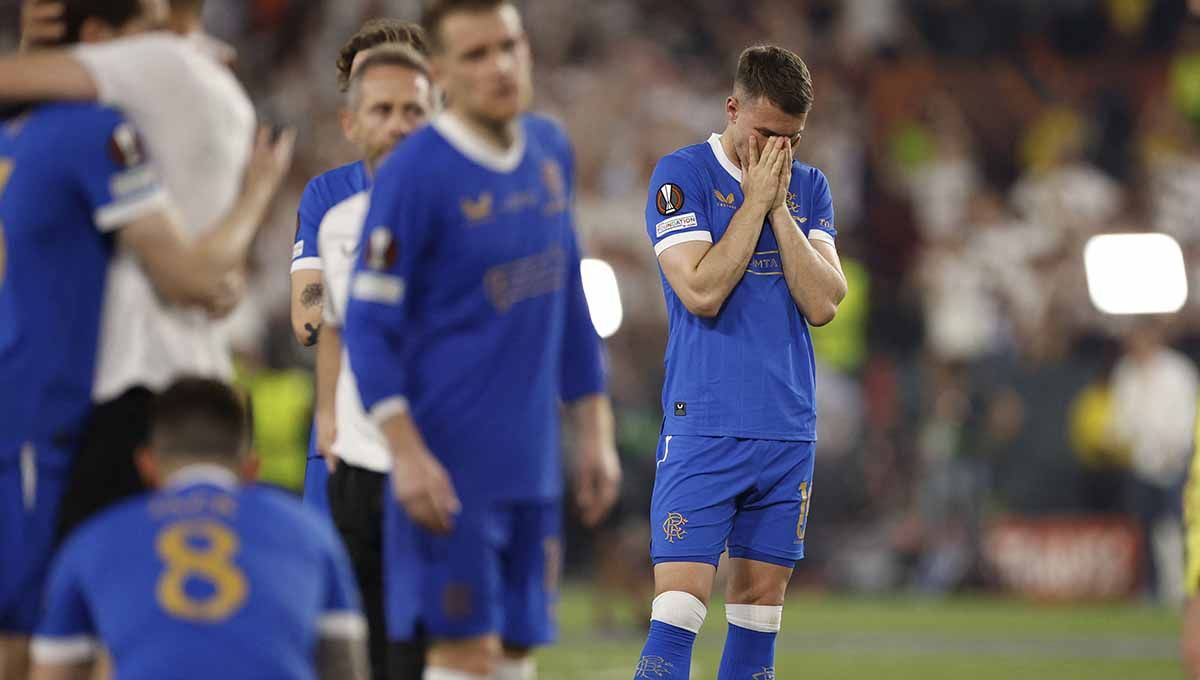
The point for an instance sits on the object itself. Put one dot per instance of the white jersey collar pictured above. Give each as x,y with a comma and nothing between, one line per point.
479,150
203,473
734,171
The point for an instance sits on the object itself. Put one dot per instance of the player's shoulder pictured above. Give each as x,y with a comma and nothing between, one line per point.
296,522
109,528
334,185
694,158
809,174
545,129
69,119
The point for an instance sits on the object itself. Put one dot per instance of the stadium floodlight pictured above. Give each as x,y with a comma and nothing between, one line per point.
603,295
1135,273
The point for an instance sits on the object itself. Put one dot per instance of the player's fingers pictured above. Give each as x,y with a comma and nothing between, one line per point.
331,462
285,144
753,150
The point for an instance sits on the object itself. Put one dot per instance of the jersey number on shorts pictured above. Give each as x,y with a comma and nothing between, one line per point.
6,167
802,524
201,551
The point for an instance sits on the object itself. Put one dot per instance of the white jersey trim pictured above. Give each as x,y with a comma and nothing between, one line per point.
349,625
468,143
685,237
307,263
818,235
714,141
116,215
62,650
385,409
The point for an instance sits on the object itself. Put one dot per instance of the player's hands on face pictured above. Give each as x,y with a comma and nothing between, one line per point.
423,487
41,23
270,158
597,480
785,175
761,172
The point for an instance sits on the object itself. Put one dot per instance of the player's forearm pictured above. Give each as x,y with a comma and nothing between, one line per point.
815,284
592,418
724,265
402,435
225,246
329,365
51,74
308,295
62,671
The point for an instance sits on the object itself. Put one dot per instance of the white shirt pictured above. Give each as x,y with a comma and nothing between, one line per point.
1154,413
359,442
197,123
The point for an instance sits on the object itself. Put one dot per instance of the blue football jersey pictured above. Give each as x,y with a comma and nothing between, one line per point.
467,305
322,193
204,579
747,372
69,174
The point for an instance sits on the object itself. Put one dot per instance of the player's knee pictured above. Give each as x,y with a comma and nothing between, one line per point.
679,609
756,617
759,592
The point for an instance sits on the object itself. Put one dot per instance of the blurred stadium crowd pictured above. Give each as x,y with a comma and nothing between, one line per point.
972,148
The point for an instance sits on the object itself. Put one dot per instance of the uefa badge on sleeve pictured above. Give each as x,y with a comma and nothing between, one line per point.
669,200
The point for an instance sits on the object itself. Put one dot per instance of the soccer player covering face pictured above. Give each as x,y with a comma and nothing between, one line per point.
322,193
466,324
745,240
207,576
389,97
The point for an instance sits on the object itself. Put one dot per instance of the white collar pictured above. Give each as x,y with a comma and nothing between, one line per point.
203,473
734,171
469,144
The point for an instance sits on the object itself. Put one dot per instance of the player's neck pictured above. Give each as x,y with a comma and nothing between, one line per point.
500,134
727,147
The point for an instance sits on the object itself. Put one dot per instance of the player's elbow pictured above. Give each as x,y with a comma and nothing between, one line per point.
703,305
822,315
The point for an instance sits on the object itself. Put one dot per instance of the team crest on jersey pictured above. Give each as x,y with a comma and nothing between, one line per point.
381,249
653,667
792,203
477,209
125,147
766,674
669,199
726,200
673,527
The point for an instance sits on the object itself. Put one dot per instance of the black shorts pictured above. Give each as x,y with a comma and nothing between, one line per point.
356,497
104,471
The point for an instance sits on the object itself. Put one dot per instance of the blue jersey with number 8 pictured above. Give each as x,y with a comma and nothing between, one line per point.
202,580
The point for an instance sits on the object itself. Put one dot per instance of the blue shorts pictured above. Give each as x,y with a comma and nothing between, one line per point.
496,572
750,495
31,488
316,477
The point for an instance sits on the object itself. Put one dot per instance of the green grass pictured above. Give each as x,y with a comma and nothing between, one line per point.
904,639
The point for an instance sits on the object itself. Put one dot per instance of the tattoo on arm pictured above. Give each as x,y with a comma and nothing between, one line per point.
312,295
313,333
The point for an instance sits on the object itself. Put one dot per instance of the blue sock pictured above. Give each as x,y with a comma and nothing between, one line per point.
667,654
750,653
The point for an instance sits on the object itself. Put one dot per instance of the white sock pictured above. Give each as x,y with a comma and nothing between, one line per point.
516,669
450,674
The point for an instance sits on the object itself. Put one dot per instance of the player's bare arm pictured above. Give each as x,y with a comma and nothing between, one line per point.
62,671
703,274
812,268
329,364
597,466
199,272
308,293
419,481
45,74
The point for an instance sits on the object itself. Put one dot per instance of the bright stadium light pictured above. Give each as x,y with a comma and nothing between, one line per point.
1135,273
603,296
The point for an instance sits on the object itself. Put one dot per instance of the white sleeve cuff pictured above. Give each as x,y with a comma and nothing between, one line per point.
62,650
116,215
306,263
818,235
345,625
684,237
387,408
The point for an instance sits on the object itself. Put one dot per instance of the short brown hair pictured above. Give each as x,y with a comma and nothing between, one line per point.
437,11
777,74
374,33
199,417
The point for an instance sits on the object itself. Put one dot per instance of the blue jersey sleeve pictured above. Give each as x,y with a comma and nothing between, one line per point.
308,220
583,369
113,171
676,209
66,632
820,226
377,314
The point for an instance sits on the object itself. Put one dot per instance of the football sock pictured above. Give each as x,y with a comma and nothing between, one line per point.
675,619
516,669
750,642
